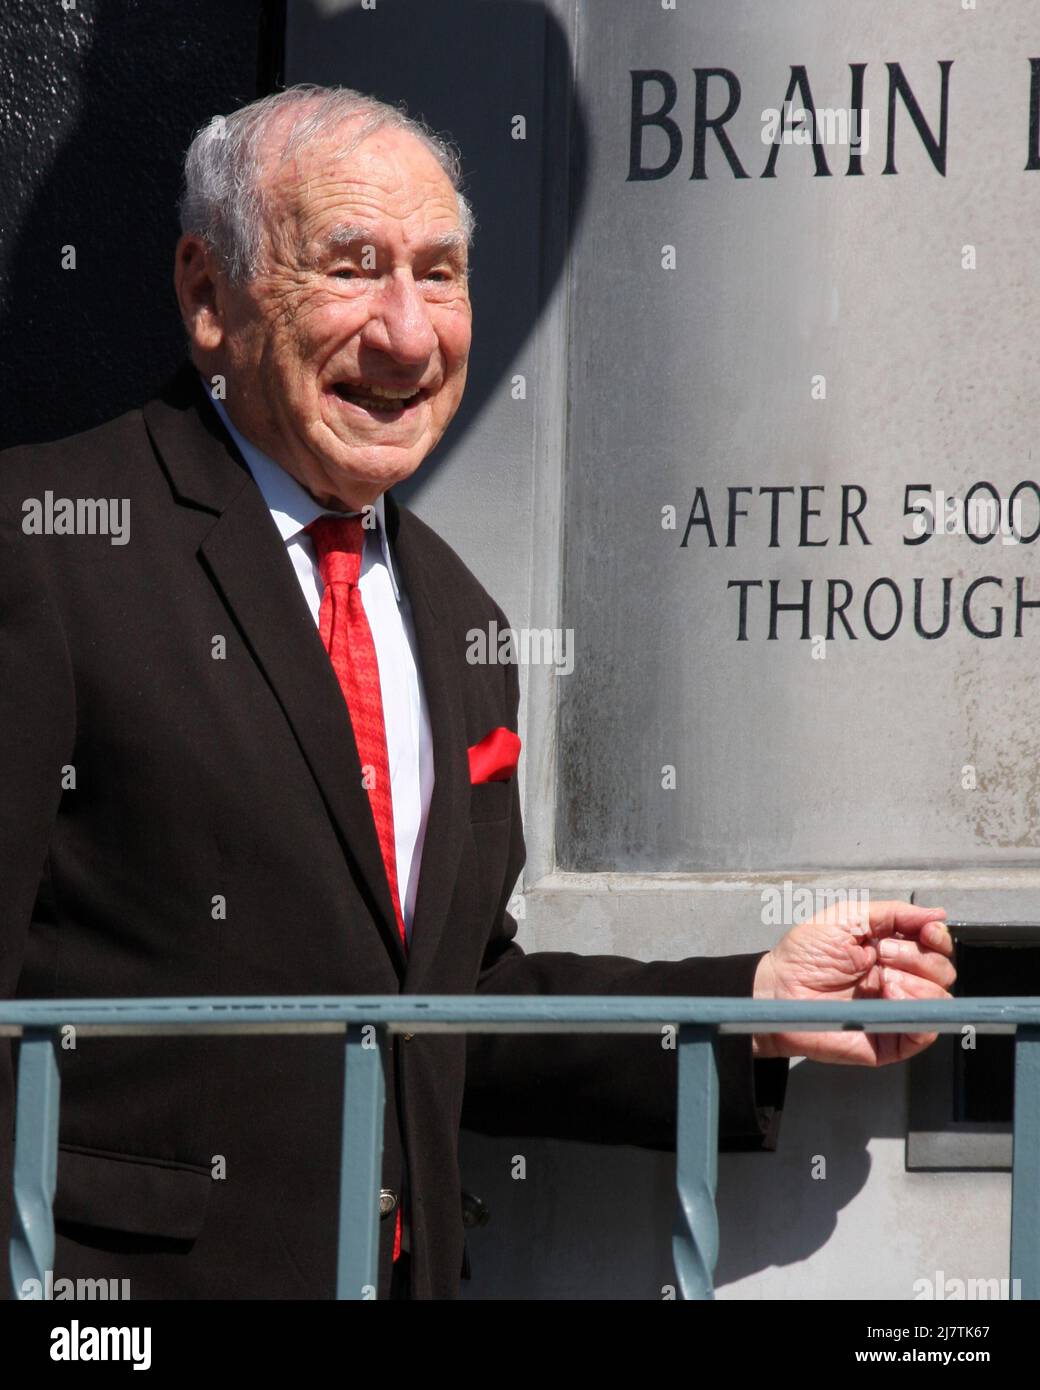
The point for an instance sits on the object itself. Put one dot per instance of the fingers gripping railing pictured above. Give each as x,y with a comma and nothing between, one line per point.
368,1023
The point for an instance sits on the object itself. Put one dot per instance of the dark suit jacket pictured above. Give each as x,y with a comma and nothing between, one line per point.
239,777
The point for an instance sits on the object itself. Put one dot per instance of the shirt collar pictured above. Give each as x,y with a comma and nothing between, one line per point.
291,506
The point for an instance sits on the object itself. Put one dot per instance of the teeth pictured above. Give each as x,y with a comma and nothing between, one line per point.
390,392
374,403
377,397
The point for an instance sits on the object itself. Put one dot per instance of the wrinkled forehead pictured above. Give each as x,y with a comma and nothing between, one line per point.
389,181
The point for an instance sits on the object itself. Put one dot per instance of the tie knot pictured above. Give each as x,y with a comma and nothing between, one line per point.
339,541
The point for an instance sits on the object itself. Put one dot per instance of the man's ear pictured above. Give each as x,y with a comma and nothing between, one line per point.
195,281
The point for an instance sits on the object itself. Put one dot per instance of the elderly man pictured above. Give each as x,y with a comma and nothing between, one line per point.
244,753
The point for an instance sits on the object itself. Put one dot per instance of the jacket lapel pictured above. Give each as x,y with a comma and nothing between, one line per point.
247,561
448,819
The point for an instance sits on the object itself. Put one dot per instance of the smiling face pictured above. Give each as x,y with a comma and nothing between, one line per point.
345,356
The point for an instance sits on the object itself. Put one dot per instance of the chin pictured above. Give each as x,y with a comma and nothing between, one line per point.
374,476
378,462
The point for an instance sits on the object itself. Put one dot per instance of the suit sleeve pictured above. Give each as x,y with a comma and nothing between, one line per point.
617,1088
36,740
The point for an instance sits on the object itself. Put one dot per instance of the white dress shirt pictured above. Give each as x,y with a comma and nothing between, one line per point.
408,740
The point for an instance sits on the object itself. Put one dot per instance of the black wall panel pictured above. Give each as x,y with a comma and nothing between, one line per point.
97,105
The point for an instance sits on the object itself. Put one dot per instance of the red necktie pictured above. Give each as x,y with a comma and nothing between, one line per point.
348,640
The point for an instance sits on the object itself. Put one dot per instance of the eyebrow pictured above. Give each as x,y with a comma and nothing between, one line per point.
349,233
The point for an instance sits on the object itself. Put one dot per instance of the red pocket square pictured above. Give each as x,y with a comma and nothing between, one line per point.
495,757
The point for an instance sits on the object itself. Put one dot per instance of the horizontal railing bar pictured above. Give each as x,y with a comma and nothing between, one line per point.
510,1013
521,1029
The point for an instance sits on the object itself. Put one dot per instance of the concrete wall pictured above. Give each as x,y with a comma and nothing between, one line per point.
900,764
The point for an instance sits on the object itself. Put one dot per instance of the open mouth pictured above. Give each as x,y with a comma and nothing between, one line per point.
380,400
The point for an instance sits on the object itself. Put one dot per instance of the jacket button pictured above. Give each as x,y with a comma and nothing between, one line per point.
474,1211
387,1201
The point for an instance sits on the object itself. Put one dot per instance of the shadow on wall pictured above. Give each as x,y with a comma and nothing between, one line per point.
468,67
100,107
590,1221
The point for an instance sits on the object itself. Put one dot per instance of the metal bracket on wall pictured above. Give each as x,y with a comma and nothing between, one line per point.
942,1132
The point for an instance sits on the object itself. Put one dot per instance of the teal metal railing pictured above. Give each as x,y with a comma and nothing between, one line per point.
366,1024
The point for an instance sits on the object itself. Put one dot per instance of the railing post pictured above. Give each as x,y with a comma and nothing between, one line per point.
361,1163
35,1164
1025,1175
695,1241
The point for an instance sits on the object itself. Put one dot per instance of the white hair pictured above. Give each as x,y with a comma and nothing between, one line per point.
222,196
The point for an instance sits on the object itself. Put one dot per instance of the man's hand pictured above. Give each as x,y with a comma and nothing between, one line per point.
892,950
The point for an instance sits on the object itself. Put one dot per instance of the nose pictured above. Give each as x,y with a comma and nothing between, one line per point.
400,324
